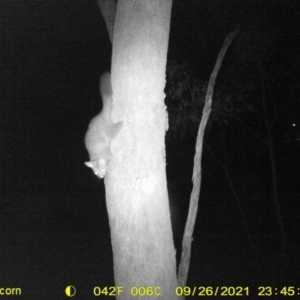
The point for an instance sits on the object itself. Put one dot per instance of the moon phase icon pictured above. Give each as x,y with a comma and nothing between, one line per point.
70,291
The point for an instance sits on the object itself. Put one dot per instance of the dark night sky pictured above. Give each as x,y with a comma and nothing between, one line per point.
52,54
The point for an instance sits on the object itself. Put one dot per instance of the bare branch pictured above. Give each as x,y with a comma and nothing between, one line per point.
193,209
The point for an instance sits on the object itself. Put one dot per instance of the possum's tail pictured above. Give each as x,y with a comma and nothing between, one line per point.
106,93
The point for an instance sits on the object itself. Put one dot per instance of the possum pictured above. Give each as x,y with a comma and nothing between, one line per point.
101,131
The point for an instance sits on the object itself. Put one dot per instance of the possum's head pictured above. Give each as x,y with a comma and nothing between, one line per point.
99,167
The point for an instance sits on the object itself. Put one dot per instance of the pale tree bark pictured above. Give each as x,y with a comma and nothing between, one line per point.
136,189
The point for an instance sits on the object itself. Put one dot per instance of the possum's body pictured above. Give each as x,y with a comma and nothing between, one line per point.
101,131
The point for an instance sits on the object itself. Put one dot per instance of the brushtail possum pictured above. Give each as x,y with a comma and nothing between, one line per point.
101,131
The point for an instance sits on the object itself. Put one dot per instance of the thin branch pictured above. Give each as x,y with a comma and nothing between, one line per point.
193,209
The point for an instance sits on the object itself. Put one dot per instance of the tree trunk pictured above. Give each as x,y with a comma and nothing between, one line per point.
136,189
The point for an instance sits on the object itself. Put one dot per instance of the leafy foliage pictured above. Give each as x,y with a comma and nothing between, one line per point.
185,98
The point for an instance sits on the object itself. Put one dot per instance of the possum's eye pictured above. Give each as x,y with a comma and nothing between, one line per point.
100,174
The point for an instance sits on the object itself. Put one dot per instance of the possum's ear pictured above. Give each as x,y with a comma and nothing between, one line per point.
89,164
